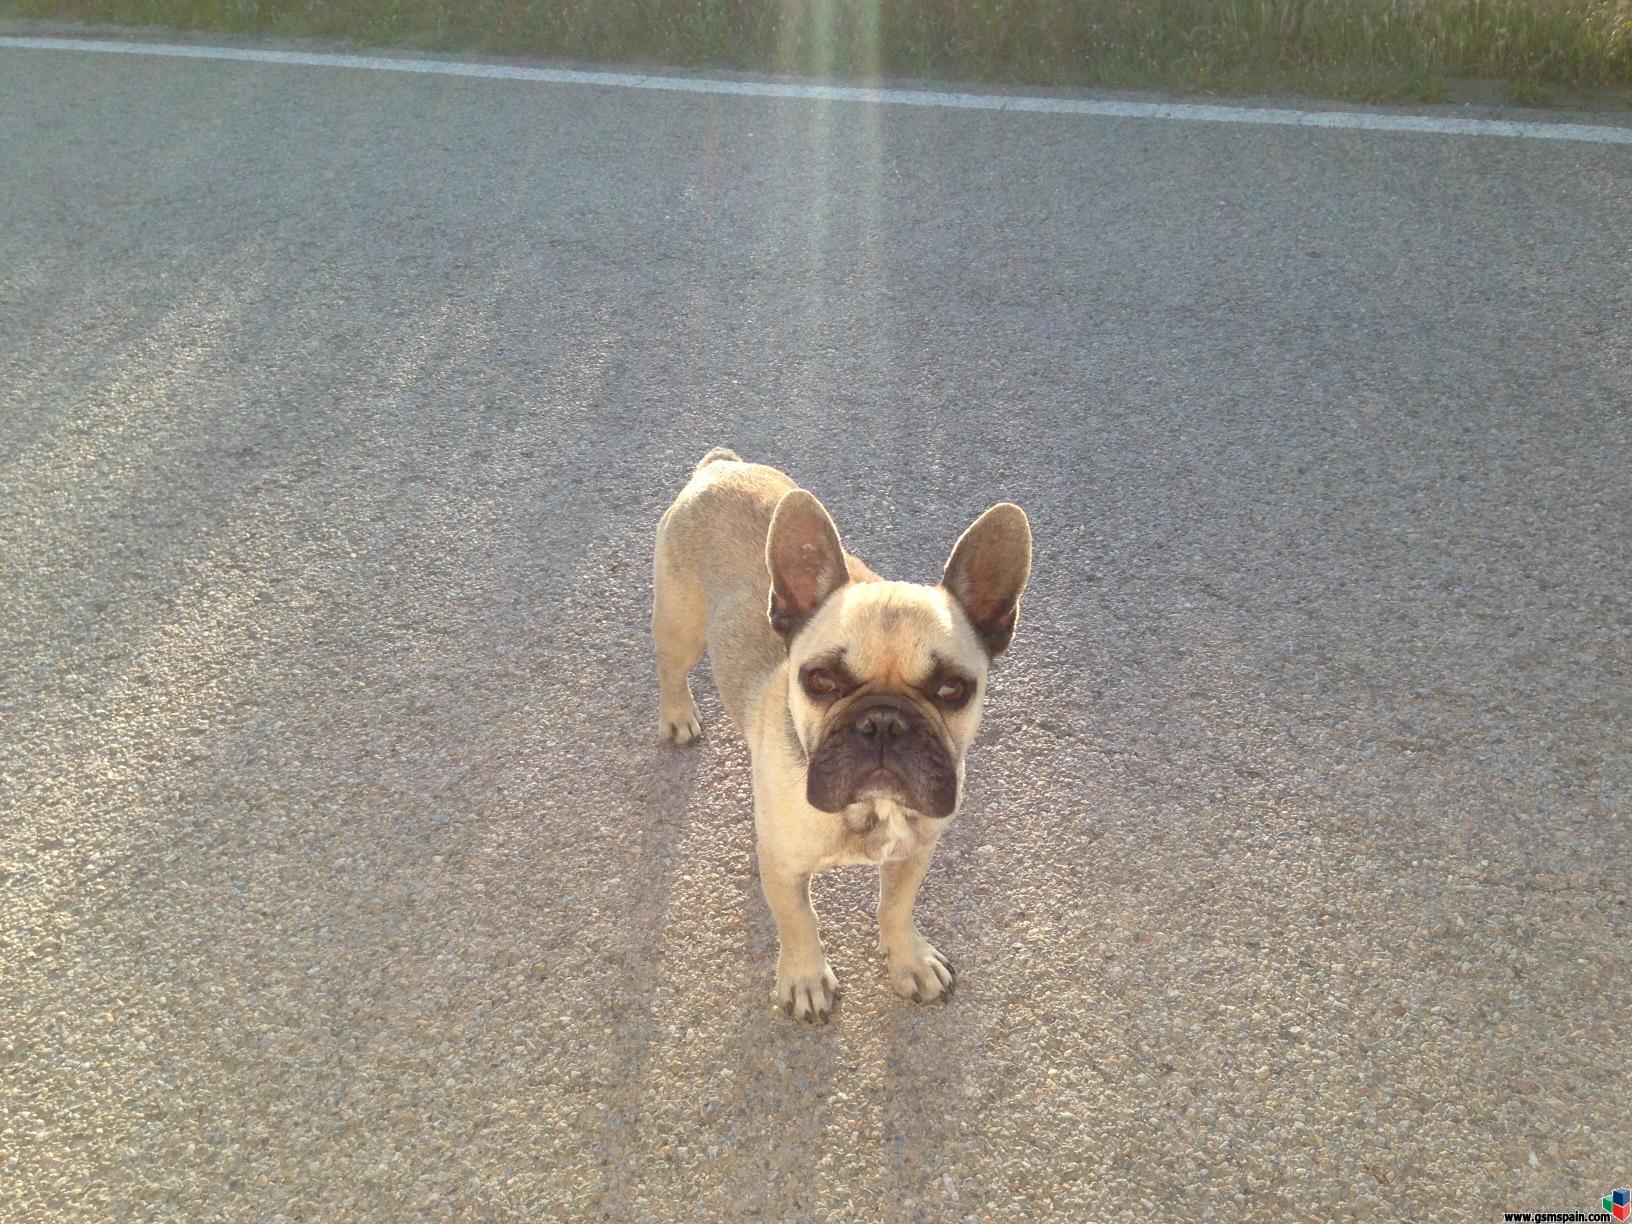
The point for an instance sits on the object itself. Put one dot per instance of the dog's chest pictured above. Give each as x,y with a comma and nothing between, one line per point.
875,831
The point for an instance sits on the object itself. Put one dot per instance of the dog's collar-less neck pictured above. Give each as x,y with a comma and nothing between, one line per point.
792,735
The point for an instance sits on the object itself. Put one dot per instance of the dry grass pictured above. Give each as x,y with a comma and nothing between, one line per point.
1375,49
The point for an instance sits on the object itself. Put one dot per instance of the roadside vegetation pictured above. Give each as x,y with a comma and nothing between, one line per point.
1372,50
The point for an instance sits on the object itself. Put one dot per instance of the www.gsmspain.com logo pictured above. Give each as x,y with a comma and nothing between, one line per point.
1619,1203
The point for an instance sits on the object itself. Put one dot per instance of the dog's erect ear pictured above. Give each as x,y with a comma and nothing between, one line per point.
805,558
987,571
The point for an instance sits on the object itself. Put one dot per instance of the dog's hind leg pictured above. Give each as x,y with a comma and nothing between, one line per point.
679,633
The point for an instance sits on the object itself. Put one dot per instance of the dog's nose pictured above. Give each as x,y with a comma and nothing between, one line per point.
881,724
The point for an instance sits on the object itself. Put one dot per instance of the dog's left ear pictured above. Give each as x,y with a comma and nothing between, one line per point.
987,572
806,560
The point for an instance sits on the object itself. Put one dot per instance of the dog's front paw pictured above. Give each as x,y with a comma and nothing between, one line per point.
920,973
806,994
681,724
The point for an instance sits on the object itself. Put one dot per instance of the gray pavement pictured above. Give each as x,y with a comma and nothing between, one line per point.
341,875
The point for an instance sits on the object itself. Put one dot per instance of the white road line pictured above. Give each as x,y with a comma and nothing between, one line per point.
1365,121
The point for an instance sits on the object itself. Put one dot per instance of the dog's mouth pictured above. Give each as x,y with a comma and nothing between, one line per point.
915,768
880,780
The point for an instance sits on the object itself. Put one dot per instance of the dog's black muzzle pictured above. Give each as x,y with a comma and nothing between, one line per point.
883,745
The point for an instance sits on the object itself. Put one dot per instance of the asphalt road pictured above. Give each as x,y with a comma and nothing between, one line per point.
342,877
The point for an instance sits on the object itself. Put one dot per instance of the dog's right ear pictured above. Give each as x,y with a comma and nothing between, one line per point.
805,558
988,571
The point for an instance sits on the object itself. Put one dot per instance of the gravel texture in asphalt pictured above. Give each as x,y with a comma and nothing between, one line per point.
342,876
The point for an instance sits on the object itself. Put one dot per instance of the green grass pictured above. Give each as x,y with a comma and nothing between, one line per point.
1369,50
1389,86
1529,92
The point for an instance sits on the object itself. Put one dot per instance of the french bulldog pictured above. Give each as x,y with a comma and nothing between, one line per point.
858,696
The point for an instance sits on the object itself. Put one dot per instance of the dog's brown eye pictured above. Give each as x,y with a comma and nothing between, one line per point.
953,690
820,682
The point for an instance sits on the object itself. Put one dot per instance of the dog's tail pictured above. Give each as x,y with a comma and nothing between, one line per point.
714,456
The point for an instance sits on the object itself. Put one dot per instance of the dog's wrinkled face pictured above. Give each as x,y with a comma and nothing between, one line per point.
885,690
886,680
